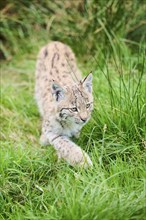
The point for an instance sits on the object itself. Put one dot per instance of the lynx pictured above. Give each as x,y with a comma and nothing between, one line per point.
64,100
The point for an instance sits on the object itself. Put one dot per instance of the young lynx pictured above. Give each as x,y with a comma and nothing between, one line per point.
65,101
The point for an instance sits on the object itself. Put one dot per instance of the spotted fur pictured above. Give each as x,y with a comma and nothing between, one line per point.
64,100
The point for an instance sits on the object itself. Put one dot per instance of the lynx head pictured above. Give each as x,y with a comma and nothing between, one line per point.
74,104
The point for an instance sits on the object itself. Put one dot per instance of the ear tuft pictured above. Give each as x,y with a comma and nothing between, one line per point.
87,82
57,91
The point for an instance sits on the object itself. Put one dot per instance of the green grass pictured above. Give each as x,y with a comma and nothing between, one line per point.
33,184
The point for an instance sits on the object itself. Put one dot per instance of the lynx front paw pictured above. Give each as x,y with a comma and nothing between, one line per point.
72,153
76,157
80,158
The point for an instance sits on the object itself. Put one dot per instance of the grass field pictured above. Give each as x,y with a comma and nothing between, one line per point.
33,184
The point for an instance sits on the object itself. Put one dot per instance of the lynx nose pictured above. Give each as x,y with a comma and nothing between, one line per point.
84,119
83,116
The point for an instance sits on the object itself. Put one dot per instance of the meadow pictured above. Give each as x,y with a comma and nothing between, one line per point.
108,39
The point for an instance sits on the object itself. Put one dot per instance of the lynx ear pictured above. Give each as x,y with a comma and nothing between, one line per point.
87,82
57,91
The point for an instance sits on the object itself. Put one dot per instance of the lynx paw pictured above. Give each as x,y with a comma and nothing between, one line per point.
81,158
76,157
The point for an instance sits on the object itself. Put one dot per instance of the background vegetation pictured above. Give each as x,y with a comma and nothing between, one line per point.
108,37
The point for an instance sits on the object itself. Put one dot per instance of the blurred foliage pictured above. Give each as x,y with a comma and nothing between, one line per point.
87,23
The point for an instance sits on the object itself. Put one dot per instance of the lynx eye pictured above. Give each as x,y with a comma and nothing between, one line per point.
74,109
88,105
